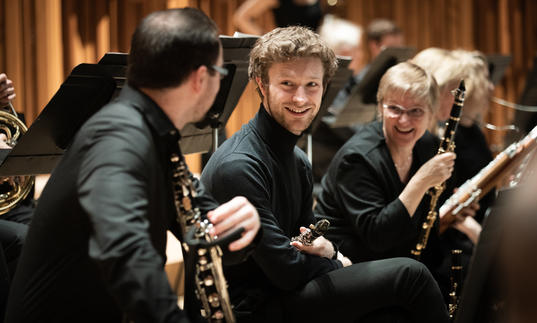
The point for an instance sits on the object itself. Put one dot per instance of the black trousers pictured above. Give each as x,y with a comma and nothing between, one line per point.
389,290
13,229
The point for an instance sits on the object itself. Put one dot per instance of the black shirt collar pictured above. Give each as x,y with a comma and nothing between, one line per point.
157,119
276,136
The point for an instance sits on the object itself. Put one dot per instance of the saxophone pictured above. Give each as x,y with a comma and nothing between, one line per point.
211,287
447,144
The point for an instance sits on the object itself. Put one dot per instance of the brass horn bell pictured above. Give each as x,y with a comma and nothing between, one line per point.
13,189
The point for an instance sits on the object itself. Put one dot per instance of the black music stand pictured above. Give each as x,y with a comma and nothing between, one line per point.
86,89
91,86
361,107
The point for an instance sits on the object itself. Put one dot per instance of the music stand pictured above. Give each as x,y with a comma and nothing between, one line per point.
361,107
86,89
91,86
497,65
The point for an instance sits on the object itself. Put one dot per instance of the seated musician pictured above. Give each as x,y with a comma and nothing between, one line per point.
14,219
96,249
374,193
293,282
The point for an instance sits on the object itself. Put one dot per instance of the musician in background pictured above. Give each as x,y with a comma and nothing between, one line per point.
380,34
96,249
448,68
292,282
471,148
306,13
14,223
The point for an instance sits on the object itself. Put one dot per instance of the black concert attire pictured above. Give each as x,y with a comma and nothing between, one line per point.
290,14
96,248
277,283
360,197
13,229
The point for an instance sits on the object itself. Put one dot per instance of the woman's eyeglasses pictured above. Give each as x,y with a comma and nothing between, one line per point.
395,111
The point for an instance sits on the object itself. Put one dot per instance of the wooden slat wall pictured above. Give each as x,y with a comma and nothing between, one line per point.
41,41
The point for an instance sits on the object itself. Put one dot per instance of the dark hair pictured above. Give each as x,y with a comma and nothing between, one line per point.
379,28
168,45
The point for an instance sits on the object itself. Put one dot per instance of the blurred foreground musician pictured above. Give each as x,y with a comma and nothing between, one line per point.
284,282
96,248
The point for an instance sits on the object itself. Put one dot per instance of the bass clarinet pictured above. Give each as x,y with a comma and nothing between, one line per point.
211,287
447,144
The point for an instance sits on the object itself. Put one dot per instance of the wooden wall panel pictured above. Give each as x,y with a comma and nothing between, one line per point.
38,51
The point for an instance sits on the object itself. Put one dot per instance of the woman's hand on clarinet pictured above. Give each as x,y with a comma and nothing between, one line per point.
436,170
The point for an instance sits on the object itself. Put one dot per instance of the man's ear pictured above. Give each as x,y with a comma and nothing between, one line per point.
198,77
260,87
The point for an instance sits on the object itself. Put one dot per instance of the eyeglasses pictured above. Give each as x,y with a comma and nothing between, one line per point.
220,70
395,111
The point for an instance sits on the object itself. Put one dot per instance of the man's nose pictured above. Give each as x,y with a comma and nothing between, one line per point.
299,96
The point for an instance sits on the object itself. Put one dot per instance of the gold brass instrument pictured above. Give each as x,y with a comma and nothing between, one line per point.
13,189
487,178
211,286
447,144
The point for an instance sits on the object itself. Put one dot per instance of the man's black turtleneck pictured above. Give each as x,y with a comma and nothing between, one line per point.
262,163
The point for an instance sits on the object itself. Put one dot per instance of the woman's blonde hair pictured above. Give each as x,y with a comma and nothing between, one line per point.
408,79
442,64
449,67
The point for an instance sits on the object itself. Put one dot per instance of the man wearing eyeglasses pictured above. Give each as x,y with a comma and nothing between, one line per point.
374,193
96,248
